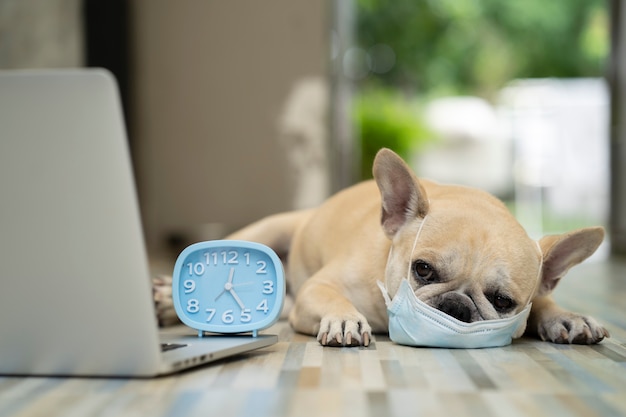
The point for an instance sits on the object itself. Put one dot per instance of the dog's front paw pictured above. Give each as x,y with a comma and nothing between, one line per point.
339,331
572,328
163,303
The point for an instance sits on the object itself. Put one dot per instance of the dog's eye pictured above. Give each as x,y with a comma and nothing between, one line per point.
502,303
424,273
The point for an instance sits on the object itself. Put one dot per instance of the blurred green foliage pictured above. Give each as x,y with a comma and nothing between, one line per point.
386,118
461,47
477,46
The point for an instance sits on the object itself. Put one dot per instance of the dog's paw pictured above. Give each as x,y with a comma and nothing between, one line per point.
339,331
572,328
163,303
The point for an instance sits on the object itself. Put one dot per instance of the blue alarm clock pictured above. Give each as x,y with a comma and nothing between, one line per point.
228,286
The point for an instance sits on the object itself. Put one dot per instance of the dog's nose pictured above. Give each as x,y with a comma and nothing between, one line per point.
455,306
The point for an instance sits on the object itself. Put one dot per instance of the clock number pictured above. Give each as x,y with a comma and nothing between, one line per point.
197,268
268,287
261,269
247,256
228,316
228,257
245,315
208,256
263,306
190,285
232,260
193,305
211,312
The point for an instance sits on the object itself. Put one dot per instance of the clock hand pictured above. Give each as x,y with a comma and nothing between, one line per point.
229,284
243,284
237,299
219,295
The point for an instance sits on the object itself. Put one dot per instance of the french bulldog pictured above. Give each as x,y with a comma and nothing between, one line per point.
473,261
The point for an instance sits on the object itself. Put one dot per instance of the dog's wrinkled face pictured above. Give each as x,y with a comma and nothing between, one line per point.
472,265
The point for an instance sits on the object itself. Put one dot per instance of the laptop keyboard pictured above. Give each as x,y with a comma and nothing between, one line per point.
171,346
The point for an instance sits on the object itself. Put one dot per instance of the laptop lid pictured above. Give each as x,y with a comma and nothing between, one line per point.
75,296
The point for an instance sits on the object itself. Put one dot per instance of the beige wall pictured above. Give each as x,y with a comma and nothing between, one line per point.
211,79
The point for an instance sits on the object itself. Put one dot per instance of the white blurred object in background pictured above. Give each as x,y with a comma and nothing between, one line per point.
472,149
302,129
560,131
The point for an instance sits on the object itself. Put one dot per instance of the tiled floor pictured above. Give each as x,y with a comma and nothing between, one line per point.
298,377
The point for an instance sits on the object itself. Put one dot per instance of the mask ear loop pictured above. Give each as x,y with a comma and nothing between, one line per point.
408,274
538,278
417,235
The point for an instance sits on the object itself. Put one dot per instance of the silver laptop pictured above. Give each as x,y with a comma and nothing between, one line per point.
75,294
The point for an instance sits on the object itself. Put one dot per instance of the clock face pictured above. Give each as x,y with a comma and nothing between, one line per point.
228,286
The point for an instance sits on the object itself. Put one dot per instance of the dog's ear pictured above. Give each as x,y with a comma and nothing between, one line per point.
561,252
403,197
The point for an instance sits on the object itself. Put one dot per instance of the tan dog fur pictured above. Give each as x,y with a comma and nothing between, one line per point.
476,248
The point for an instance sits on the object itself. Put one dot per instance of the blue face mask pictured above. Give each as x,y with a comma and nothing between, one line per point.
413,322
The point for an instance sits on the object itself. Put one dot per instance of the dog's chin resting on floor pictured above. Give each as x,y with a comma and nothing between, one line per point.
473,260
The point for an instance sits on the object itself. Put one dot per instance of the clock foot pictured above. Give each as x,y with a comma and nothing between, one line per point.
200,333
255,333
